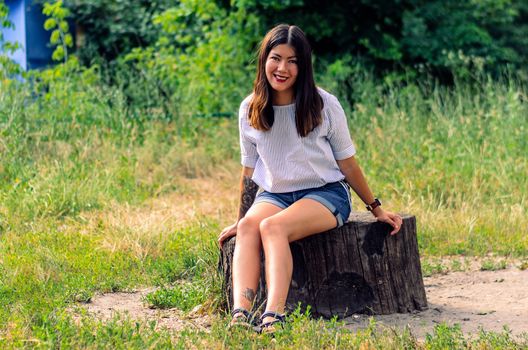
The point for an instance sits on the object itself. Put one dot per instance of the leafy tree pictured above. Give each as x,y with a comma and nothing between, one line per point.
60,36
200,62
113,27
8,68
440,34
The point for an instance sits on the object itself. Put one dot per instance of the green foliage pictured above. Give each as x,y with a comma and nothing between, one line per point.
60,331
184,297
433,266
8,68
111,28
491,265
60,36
447,337
465,40
200,61
69,144
4,23
443,36
187,276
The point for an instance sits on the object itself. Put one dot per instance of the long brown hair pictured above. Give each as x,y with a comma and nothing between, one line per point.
308,102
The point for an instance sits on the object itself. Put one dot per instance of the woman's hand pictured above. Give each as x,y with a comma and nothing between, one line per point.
390,218
227,232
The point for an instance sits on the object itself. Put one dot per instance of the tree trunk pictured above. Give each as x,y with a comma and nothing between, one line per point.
357,268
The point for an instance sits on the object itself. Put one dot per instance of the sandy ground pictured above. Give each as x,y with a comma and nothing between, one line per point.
473,299
130,305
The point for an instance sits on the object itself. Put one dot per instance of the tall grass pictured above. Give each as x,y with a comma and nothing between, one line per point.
453,156
70,144
72,147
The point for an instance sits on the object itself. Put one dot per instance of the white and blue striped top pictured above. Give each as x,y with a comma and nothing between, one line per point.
286,162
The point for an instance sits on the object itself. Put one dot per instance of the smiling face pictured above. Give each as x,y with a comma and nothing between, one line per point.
281,73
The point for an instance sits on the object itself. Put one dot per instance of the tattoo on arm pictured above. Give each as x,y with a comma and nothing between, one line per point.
247,196
249,294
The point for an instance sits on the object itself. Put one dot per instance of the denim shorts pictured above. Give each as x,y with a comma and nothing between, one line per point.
335,196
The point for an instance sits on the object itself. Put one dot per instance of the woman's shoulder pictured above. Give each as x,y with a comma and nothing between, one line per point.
246,101
244,111
329,100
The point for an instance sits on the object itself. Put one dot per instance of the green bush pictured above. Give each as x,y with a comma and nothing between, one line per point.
441,36
111,28
200,62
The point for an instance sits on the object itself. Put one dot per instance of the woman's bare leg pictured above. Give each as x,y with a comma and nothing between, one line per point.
246,258
304,218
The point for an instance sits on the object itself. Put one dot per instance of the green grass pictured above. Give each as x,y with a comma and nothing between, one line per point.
433,266
301,332
490,265
73,152
454,158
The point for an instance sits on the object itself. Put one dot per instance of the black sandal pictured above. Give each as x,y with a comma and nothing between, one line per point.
241,318
269,327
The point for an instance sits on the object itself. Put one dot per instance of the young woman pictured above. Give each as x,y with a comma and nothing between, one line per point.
296,147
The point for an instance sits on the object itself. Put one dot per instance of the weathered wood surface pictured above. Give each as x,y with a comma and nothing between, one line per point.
358,268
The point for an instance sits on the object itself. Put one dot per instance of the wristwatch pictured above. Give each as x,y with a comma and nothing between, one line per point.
374,204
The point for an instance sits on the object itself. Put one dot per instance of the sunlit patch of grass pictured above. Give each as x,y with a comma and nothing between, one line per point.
467,231
145,228
182,296
433,266
490,265
452,157
48,270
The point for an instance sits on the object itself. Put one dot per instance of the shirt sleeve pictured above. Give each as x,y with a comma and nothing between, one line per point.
248,148
338,134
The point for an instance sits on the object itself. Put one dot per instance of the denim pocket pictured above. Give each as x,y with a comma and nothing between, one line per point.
347,188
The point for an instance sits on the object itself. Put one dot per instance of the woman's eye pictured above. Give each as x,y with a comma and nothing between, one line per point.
293,61
275,58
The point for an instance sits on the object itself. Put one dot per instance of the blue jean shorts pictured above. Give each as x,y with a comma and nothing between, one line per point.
335,196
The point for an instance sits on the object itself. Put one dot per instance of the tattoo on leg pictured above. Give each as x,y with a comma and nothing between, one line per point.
249,294
248,196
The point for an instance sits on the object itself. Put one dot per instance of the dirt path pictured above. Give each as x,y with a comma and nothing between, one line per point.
131,305
473,299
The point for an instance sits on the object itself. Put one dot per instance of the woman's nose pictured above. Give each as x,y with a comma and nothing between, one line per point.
282,65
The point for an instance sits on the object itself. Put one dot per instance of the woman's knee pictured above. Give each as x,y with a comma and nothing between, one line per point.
248,227
272,227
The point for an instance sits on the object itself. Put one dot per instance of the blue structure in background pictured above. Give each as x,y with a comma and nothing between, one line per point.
29,32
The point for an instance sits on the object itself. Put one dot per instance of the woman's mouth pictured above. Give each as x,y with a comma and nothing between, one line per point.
280,78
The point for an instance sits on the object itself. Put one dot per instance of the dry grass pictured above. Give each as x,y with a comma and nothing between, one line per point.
144,229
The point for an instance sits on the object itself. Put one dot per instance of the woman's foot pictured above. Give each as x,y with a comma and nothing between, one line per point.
270,322
241,318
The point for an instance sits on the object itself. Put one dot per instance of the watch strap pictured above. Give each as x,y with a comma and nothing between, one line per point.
373,205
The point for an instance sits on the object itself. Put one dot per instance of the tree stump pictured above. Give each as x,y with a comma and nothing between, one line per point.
357,268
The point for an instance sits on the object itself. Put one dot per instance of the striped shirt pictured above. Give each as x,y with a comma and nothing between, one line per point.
286,162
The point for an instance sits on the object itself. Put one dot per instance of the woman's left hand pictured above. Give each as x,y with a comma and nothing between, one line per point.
390,218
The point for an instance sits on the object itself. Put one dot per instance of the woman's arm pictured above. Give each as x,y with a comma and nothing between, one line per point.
248,191
355,178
